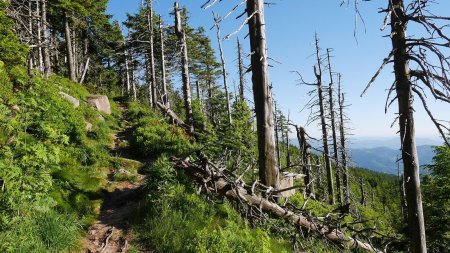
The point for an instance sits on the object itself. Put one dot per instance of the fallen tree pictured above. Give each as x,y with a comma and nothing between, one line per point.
224,183
214,179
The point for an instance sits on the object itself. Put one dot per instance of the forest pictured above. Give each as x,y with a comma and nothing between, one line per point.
136,136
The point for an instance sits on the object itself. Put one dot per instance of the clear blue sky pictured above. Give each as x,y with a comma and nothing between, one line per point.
291,25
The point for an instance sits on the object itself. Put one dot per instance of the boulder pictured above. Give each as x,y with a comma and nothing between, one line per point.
287,182
89,127
15,108
71,99
101,103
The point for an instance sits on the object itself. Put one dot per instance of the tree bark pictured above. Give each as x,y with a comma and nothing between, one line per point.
305,148
333,131
224,70
318,73
70,57
152,83
403,88
46,48
363,192
241,72
165,98
344,167
181,34
268,170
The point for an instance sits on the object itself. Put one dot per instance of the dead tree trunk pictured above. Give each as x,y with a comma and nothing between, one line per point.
403,87
277,138
151,55
333,131
363,192
40,58
318,73
46,48
165,97
69,49
241,71
181,34
127,73
268,170
344,167
224,70
288,152
305,148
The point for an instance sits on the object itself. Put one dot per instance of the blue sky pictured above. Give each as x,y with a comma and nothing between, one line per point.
291,25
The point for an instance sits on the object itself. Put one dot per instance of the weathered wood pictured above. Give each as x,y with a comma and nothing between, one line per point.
69,49
241,71
403,87
151,55
344,165
318,73
181,34
268,169
165,96
213,178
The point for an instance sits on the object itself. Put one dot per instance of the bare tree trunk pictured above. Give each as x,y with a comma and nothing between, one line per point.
318,73
39,37
152,84
403,88
305,148
31,61
46,48
127,69
165,98
133,81
333,130
70,57
224,70
363,192
343,144
288,152
241,72
181,34
86,68
268,170
277,138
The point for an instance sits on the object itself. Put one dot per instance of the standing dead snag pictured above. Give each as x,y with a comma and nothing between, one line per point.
333,130
268,169
305,148
241,71
318,73
165,96
151,56
181,34
430,72
224,70
344,167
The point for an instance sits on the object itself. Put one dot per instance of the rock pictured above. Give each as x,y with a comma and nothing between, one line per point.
15,108
89,127
101,103
101,118
71,99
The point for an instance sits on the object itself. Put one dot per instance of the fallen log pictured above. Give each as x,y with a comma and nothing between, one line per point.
173,116
215,181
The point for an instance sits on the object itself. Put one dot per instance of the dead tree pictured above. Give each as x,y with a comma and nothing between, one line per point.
305,148
181,34
69,49
288,151
343,148
318,74
429,71
268,169
241,71
224,70
165,96
333,130
277,138
363,192
151,56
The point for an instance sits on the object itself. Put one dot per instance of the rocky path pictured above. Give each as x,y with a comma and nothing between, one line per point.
111,232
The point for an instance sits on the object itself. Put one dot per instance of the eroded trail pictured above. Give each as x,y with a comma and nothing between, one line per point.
111,232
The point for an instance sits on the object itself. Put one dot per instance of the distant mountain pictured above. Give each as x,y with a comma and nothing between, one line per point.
383,159
389,142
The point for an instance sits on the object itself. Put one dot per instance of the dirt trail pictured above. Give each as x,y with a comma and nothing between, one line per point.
111,232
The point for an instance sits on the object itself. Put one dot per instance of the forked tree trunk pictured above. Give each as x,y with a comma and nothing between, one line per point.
70,56
403,86
333,131
268,170
318,73
152,84
181,34
165,97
